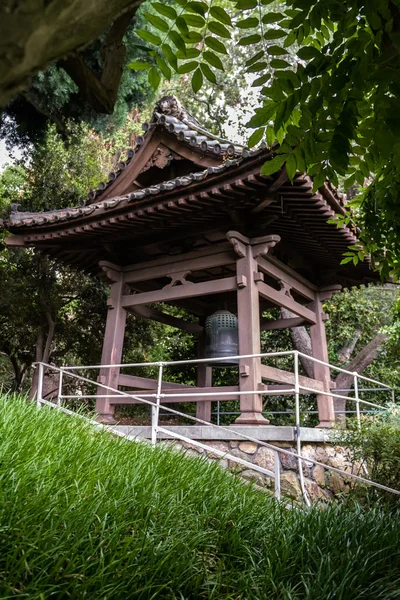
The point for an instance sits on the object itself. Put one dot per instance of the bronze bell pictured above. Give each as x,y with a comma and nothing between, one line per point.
222,338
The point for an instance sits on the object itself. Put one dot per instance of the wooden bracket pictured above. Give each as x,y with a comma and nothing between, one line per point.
285,288
262,245
113,272
239,242
241,281
178,278
244,370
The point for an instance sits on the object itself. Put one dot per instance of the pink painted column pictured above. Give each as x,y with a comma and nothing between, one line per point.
112,348
249,334
204,379
319,345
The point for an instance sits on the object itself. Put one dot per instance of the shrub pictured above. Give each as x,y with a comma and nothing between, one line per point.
375,446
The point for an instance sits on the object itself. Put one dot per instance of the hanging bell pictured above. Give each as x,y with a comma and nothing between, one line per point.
222,338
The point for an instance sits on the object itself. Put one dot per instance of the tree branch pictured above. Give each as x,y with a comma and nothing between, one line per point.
102,92
301,341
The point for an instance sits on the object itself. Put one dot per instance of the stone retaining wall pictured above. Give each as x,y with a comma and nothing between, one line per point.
321,484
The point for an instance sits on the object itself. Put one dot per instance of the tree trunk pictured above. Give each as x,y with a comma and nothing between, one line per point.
359,363
301,341
34,35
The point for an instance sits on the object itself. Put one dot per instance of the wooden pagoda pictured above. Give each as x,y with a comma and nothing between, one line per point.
188,220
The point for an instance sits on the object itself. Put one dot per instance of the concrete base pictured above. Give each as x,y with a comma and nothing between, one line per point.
106,419
251,418
325,425
236,432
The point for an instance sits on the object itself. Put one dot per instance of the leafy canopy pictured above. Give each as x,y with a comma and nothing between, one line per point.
334,110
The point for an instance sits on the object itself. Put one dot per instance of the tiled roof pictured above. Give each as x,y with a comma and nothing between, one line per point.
28,219
171,115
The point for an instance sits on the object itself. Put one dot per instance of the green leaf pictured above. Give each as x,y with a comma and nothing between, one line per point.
270,136
276,51
291,166
194,20
213,59
255,137
308,52
272,166
221,15
250,39
164,68
279,63
246,4
266,2
263,115
157,22
197,80
182,26
163,9
272,18
219,29
291,38
346,260
254,58
188,67
193,37
199,8
170,56
215,44
154,78
208,73
147,36
257,67
261,80
274,34
248,23
139,66
190,53
177,40
318,181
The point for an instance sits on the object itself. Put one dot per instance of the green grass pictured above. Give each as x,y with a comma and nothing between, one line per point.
85,515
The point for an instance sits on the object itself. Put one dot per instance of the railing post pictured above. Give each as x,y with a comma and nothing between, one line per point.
298,430
60,384
277,471
357,398
155,410
40,386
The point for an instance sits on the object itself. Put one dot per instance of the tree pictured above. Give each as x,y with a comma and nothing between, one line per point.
47,311
334,111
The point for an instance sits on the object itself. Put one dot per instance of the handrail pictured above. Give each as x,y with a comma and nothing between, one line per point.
156,428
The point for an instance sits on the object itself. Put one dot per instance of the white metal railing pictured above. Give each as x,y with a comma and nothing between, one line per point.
154,398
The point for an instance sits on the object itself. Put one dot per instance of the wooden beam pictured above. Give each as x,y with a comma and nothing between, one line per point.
166,259
17,241
189,290
280,376
182,398
280,299
134,381
157,315
267,325
275,270
176,263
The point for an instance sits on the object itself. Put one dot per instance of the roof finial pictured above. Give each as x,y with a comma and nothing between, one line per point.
170,105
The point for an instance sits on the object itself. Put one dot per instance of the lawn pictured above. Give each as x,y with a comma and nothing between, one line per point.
87,515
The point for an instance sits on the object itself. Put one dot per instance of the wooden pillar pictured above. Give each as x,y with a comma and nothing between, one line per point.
204,379
248,306
326,413
112,348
